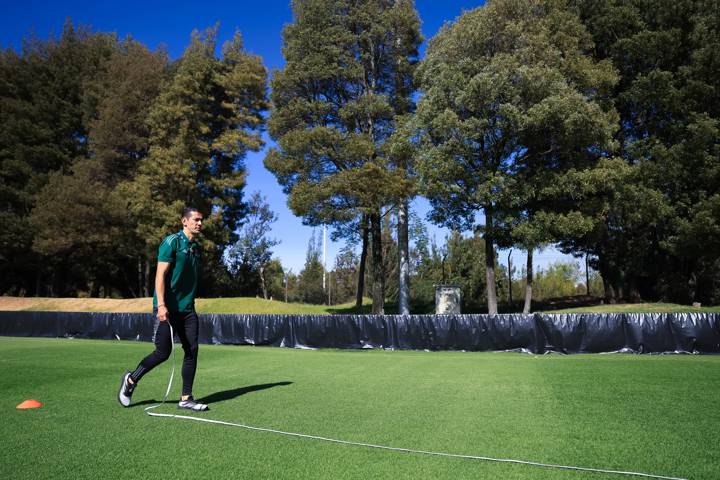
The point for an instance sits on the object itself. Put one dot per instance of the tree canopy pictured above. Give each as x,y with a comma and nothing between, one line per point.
511,101
593,126
346,77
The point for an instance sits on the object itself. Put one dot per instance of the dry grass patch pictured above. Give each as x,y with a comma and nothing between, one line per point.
76,304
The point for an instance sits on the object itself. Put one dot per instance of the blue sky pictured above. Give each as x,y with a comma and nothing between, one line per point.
168,24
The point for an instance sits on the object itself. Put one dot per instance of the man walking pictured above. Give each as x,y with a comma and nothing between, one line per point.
174,304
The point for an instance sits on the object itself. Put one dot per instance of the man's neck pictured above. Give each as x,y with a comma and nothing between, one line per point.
188,234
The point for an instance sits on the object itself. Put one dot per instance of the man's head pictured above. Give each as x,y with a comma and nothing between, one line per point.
192,220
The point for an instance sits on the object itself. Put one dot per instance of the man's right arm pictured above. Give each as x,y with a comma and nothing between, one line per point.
162,269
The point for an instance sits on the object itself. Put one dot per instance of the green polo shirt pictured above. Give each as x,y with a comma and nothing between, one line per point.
183,256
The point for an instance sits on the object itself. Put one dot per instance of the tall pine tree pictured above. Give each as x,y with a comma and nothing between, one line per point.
206,118
100,243
347,75
44,112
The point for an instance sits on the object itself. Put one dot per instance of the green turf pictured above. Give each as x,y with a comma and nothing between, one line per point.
654,414
251,305
260,305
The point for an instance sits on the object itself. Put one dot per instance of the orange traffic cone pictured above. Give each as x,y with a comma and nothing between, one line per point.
30,404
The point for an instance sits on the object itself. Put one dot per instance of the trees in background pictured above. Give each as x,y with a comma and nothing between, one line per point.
591,125
249,257
655,234
562,280
310,280
102,144
348,74
402,151
559,280
459,261
344,276
205,120
44,129
509,106
80,219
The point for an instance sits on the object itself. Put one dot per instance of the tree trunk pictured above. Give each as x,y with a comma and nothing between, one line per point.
54,281
633,292
262,282
403,261
378,279
95,289
510,299
490,262
610,295
587,276
286,286
529,281
128,285
363,259
146,273
140,276
692,287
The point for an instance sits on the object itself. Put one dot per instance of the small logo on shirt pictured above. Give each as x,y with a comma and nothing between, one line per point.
192,252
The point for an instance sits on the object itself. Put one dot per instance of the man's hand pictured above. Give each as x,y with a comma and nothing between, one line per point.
162,313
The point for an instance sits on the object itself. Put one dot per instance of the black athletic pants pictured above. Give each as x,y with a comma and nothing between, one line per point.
185,325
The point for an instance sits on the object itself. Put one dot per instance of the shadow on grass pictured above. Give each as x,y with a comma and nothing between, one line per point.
363,310
222,395
236,392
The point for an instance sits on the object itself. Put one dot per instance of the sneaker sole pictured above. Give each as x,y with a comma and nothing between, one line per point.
192,409
120,391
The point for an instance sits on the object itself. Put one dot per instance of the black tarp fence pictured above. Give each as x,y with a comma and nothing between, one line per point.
534,333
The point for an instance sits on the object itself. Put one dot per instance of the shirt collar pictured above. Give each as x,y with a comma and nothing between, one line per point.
185,238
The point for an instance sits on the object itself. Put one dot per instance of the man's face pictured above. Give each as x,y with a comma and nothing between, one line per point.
193,222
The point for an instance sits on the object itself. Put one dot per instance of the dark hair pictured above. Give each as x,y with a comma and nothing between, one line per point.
187,211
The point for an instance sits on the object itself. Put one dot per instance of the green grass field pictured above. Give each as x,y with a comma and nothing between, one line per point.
652,414
203,305
262,306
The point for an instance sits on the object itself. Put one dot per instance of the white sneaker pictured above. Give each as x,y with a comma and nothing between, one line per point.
191,404
126,390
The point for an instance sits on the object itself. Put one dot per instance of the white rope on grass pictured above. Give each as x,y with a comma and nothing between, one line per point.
384,447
